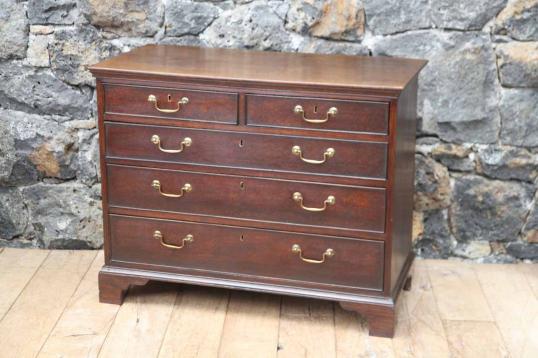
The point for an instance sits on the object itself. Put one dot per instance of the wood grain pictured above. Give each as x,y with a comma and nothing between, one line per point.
514,307
17,267
306,328
451,278
197,323
84,324
243,122
265,67
426,331
141,322
42,302
236,250
202,322
469,339
353,340
251,326
530,271
355,208
247,150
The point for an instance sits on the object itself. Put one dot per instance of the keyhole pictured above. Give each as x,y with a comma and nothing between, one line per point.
242,185
315,109
241,143
169,98
241,238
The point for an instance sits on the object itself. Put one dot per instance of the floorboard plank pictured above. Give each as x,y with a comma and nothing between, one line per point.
140,325
426,332
352,339
514,307
17,267
468,339
457,291
28,323
251,326
196,324
531,274
82,328
306,328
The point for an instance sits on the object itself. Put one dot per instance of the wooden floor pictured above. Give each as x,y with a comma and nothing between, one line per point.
49,308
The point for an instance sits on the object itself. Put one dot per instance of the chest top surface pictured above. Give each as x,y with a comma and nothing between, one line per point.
359,72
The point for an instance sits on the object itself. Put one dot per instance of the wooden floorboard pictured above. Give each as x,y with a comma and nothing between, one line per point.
82,328
28,323
306,328
457,291
514,307
17,267
141,322
251,326
203,311
49,304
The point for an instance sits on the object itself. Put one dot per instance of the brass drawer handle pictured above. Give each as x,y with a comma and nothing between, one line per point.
298,198
187,188
186,142
330,113
329,153
296,249
153,99
159,236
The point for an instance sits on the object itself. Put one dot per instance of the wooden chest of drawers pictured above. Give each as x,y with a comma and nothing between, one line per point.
272,172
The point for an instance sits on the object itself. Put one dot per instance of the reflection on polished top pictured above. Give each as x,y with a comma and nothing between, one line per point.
383,73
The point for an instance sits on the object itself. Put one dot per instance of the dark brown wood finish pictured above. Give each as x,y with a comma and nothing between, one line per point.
350,116
356,159
248,252
241,213
269,200
201,105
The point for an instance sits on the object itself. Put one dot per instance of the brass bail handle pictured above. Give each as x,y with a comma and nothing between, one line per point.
329,153
186,142
159,236
298,198
296,249
153,99
299,110
186,188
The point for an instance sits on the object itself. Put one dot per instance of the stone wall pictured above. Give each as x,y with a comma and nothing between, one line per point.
477,152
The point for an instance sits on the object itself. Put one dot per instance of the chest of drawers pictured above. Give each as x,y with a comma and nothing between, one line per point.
272,172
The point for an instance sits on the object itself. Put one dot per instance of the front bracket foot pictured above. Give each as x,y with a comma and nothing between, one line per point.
381,318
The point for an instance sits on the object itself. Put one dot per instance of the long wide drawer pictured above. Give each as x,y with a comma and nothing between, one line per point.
244,150
253,252
204,106
269,200
318,114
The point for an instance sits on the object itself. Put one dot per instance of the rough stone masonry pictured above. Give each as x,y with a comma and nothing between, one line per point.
477,150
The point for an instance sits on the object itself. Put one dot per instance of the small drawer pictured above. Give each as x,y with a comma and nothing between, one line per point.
317,114
295,258
268,200
245,150
204,106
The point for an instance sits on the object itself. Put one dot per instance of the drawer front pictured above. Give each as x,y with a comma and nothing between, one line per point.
269,200
271,254
172,103
243,150
335,115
